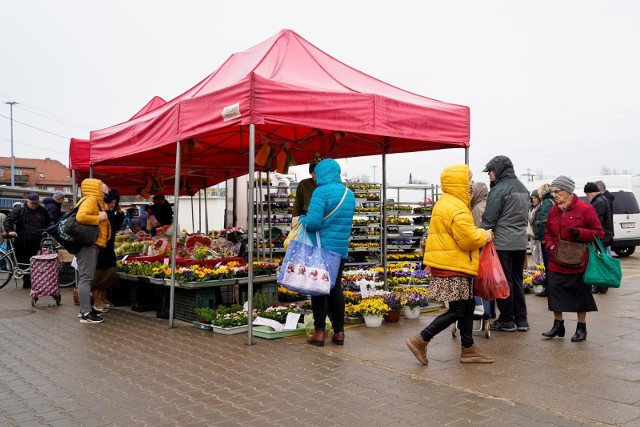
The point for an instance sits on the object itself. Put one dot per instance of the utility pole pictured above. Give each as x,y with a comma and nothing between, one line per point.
11,104
374,173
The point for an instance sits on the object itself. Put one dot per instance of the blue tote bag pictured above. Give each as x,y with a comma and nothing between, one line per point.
309,269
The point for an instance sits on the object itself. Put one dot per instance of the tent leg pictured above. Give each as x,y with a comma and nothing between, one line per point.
174,233
250,231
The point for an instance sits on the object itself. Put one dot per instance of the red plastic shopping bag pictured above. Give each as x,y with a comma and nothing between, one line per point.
491,282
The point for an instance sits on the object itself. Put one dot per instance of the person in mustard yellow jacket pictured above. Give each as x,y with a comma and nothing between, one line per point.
452,254
91,211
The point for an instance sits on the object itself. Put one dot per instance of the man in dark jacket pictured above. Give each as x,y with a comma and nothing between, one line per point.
53,205
26,223
162,210
604,209
507,215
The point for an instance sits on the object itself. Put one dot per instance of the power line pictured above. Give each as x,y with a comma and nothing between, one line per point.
54,119
37,128
33,146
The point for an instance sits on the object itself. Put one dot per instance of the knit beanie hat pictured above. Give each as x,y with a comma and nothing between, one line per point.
564,183
591,187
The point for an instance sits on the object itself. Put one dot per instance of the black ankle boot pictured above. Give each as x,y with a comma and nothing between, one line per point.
556,331
581,333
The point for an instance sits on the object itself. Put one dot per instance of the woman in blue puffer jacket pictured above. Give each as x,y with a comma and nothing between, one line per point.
334,236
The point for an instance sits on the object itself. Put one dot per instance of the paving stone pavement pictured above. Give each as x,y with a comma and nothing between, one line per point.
132,370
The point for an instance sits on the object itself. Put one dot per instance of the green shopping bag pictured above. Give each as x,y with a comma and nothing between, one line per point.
602,270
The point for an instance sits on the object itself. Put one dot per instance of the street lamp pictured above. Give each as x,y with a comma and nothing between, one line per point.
11,104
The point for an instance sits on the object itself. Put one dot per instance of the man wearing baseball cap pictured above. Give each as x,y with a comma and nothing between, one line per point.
26,223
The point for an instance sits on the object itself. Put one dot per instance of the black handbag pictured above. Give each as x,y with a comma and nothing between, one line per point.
71,234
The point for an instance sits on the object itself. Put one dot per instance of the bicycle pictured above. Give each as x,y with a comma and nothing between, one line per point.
10,268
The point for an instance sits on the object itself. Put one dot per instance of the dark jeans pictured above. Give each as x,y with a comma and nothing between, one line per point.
513,308
24,254
460,311
332,305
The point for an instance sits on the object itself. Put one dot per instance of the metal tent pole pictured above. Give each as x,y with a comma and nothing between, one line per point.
174,234
252,155
383,222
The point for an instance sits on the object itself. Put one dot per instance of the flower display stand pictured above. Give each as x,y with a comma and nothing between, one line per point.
231,330
353,319
203,326
412,312
268,333
372,321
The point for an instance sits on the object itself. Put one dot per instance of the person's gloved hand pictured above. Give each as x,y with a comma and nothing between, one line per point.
574,232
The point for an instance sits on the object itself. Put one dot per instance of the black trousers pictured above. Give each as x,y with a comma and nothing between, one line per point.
332,305
460,311
513,308
24,254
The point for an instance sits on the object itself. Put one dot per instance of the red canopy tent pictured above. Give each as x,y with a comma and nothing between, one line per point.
128,180
288,94
299,98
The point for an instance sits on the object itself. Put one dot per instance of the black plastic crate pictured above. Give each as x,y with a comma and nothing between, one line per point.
121,295
143,296
187,300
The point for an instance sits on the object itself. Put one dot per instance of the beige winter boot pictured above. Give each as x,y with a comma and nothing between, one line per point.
418,347
474,355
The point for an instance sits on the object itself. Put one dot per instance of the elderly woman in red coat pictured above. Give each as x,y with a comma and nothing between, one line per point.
574,220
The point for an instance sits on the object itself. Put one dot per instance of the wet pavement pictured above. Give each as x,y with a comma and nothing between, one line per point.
133,370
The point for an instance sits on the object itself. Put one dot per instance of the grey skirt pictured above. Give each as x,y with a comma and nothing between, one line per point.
568,293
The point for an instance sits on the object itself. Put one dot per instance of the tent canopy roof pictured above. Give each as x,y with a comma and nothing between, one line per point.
128,180
301,100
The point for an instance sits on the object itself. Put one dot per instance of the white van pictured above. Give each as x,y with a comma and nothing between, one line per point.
626,222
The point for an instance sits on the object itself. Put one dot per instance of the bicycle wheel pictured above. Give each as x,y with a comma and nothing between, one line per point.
6,270
67,275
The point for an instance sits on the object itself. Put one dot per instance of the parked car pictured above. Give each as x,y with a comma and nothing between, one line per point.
626,222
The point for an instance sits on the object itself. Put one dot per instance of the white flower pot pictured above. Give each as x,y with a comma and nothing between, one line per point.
372,321
537,289
412,312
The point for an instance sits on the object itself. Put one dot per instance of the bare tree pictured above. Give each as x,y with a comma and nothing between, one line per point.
361,178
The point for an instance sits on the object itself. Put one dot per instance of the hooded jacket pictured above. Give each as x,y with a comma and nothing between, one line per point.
540,220
335,230
479,201
89,207
54,209
454,240
28,223
507,207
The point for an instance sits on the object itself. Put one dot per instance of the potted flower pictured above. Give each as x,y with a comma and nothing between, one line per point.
372,309
539,282
230,320
413,302
395,302
204,316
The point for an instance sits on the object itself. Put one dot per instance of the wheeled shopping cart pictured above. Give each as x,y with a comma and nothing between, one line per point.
481,316
45,280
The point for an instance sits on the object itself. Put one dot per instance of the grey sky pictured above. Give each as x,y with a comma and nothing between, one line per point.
552,84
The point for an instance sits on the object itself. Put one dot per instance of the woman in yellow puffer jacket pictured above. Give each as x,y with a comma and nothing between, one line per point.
91,212
452,253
